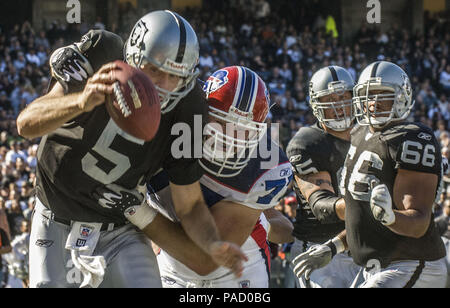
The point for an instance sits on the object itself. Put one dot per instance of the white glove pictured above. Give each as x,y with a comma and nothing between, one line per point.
381,205
317,256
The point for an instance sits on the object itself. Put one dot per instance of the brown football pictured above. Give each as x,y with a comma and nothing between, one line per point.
134,106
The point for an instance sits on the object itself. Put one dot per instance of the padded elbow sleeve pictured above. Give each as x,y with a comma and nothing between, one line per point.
323,206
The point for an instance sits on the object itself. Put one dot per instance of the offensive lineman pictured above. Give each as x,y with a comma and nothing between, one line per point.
82,150
317,155
392,174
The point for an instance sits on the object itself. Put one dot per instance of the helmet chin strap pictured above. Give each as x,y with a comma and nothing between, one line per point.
339,125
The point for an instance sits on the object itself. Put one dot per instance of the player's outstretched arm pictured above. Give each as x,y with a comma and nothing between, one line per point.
172,236
51,111
200,226
234,221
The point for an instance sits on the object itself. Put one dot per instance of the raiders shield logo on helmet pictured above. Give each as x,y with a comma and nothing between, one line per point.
138,34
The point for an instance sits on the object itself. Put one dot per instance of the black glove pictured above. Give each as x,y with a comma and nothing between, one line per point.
70,67
118,198
128,203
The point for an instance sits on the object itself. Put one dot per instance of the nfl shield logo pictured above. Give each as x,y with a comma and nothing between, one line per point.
215,81
244,284
85,230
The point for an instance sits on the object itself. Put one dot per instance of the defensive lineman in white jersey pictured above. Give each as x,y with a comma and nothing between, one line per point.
238,184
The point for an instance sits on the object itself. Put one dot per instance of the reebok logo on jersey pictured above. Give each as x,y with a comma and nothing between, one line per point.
424,136
44,243
285,172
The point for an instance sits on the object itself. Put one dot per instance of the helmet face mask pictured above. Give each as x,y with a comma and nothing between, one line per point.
334,114
384,98
233,132
330,97
171,46
231,141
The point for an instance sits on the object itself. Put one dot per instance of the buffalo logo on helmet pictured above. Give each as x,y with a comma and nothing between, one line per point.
215,81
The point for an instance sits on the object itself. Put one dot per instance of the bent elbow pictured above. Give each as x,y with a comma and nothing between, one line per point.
21,126
24,127
419,231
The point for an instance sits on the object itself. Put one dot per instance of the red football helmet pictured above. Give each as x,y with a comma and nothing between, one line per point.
238,103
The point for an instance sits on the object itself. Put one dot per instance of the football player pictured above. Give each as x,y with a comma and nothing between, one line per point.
237,186
317,155
83,150
392,174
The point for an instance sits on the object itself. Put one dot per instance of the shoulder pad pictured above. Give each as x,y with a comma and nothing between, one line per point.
414,147
270,187
306,150
413,131
311,139
101,47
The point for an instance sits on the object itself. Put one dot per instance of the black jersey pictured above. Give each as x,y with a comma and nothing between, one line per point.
91,150
375,158
312,150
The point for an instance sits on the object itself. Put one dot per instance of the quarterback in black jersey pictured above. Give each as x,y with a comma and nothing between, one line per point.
392,175
317,155
84,153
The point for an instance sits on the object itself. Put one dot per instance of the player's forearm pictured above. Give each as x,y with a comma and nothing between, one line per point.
177,243
343,237
46,114
411,223
200,226
280,231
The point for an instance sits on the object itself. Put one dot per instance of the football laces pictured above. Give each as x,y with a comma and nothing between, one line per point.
121,100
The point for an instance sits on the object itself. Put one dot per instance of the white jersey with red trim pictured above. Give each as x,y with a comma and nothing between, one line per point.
255,187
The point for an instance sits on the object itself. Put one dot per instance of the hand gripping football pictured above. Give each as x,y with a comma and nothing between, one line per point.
135,104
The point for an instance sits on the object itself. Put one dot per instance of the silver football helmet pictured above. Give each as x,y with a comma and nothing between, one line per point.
166,40
387,77
329,80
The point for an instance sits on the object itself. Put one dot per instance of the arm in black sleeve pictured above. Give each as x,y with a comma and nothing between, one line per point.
323,206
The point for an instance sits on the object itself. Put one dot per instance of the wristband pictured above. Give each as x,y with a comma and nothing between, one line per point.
140,216
323,206
336,245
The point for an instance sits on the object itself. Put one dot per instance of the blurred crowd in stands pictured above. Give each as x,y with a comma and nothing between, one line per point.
285,42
